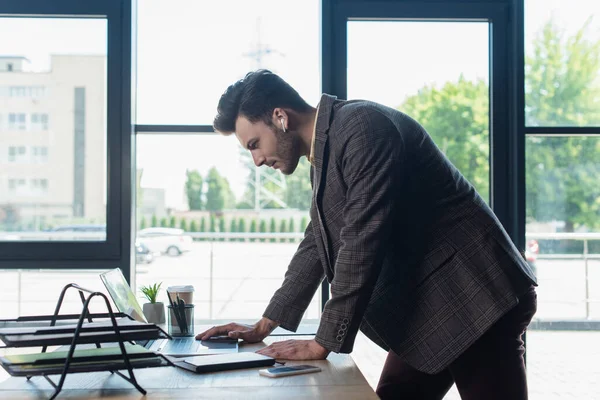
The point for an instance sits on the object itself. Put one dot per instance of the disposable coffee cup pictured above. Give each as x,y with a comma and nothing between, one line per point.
185,292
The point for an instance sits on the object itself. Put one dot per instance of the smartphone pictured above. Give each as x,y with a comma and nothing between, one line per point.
221,339
276,372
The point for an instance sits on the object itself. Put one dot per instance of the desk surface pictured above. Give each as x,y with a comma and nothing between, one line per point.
339,378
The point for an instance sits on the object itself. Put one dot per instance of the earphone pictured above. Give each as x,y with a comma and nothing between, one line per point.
282,125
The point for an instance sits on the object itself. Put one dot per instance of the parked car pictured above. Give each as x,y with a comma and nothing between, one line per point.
143,255
170,241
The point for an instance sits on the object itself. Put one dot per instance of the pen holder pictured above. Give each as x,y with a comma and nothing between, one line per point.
180,324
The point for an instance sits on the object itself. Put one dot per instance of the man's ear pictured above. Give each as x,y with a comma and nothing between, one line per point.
280,118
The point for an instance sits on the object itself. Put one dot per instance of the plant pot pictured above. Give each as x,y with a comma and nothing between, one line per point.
154,312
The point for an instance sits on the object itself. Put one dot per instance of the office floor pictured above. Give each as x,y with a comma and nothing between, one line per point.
552,375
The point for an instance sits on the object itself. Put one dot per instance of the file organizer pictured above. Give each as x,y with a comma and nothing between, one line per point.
77,329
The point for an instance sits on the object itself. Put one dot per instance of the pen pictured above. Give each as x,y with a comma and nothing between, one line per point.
175,311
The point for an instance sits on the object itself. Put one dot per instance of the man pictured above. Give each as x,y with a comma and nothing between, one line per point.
415,258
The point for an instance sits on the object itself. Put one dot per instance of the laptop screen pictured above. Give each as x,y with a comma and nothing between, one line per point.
121,293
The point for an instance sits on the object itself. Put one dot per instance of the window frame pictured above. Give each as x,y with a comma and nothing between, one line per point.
116,249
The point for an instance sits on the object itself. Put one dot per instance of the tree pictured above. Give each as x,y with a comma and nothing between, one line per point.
273,229
303,223
292,228
233,227
242,228
222,227
456,117
143,223
253,229
154,221
164,223
183,224
562,87
219,195
282,228
193,226
203,226
173,222
213,224
263,228
298,193
193,189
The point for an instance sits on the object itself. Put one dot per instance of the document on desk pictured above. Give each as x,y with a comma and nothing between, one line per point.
223,362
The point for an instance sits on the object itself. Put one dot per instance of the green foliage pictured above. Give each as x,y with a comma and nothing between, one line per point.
263,228
298,193
456,117
562,88
273,229
292,228
203,226
219,195
282,228
562,84
173,222
233,227
213,224
253,229
183,224
193,189
193,226
242,227
143,223
164,222
151,292
303,223
222,227
154,221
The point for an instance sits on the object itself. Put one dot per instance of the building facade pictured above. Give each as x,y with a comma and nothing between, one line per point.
52,142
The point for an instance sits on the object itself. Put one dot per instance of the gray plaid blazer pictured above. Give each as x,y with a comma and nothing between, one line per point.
416,259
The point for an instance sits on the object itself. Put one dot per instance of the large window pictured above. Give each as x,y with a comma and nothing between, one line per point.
562,201
65,134
189,51
206,215
68,57
450,99
562,82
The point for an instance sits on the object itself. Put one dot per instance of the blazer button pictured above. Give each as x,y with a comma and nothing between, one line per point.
339,338
341,332
346,321
344,326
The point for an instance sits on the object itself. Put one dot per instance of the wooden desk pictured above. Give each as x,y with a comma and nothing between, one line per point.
340,379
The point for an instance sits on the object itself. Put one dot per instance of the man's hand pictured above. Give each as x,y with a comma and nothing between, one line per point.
295,350
249,333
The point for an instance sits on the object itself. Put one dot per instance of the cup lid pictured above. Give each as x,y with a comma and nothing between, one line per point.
181,288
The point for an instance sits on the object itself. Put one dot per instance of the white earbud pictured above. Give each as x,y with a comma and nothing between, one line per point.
282,125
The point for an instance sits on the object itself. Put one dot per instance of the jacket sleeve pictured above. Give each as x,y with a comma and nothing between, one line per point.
371,165
302,279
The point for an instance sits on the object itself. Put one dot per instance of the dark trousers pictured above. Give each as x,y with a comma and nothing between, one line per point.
492,368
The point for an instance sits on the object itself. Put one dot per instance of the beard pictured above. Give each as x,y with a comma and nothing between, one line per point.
288,150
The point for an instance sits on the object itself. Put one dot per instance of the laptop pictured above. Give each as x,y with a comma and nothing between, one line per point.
127,303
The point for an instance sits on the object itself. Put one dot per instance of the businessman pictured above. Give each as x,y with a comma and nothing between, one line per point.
415,258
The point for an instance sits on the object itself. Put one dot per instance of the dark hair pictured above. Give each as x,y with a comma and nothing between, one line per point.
255,97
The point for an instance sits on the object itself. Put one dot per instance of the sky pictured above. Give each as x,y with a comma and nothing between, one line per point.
189,51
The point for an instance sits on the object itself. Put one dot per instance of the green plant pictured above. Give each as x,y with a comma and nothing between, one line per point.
151,292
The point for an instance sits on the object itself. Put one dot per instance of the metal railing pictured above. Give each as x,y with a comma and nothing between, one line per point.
586,256
263,237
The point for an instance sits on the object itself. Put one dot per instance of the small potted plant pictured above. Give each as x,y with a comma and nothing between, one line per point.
154,311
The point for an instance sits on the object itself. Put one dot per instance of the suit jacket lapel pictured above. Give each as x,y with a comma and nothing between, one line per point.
322,127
